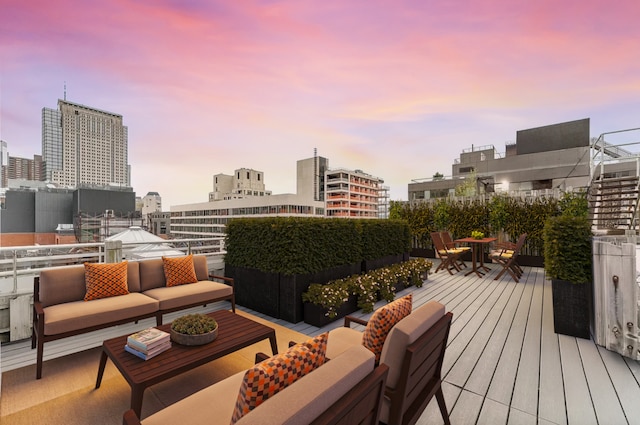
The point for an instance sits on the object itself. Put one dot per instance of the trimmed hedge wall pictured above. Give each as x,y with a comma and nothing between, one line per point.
294,245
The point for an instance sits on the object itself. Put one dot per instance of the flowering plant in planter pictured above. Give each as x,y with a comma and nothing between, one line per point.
330,296
368,287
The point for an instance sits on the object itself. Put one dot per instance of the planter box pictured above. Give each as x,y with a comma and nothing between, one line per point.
255,289
423,252
368,265
317,315
279,295
572,308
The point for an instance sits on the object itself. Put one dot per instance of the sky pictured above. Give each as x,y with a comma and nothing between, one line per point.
395,88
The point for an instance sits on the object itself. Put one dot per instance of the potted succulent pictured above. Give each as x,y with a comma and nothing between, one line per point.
568,263
194,329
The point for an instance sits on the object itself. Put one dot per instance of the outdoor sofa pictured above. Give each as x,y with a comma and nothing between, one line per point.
343,390
126,292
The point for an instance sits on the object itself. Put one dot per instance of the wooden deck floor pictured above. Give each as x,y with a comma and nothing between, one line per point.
504,364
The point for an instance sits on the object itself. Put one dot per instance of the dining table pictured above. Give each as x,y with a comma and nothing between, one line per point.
477,254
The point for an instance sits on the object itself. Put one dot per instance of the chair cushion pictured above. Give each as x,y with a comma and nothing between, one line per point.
406,332
179,270
266,378
381,322
105,280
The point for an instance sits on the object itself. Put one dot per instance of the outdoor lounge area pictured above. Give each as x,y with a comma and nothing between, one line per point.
503,364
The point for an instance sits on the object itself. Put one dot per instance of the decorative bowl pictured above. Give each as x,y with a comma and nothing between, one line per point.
199,339
194,329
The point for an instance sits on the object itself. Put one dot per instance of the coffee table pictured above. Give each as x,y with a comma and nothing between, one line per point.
234,332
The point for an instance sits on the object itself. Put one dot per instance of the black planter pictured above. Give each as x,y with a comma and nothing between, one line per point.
423,252
387,260
255,289
572,308
316,315
279,295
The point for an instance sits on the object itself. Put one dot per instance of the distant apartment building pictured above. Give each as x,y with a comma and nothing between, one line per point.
151,203
321,192
543,158
244,183
82,145
352,194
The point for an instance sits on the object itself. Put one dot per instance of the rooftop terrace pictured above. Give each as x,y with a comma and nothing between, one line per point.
504,364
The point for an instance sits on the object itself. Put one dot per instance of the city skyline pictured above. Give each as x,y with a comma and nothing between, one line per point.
395,89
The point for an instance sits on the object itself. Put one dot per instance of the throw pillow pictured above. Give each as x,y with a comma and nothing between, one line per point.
104,280
381,322
265,379
179,270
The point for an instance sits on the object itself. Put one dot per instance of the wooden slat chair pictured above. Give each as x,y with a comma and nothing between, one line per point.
450,244
507,257
448,257
414,351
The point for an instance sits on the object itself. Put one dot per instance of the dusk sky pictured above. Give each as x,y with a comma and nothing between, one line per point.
395,88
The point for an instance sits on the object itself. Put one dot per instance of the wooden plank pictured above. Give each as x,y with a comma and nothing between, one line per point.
467,409
605,400
625,384
578,399
466,327
518,417
485,322
525,391
486,367
432,415
501,387
551,403
493,413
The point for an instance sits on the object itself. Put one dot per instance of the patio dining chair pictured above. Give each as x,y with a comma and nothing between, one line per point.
450,244
507,257
448,257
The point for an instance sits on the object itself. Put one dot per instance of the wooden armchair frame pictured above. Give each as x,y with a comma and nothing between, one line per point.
508,257
449,258
420,375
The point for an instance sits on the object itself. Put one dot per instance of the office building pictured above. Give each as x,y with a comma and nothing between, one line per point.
321,192
543,158
82,145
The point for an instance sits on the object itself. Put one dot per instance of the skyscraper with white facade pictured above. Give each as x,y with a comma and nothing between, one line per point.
82,145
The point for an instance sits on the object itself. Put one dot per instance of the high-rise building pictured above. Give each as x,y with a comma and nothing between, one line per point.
82,145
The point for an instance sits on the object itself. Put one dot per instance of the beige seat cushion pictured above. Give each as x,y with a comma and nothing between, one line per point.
341,339
204,291
76,315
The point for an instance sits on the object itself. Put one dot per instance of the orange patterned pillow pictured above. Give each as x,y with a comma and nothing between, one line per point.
265,379
381,322
179,270
105,280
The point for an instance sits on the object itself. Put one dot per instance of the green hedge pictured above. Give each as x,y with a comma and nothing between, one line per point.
293,245
511,215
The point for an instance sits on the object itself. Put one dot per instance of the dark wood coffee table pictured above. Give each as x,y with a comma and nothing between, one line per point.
234,332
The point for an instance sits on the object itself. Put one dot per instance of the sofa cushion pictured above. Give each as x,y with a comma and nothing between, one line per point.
179,270
105,280
269,377
341,339
192,294
381,322
75,315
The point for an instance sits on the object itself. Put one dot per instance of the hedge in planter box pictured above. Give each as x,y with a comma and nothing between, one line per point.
568,262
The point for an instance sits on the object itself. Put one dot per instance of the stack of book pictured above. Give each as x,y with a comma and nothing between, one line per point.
148,343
